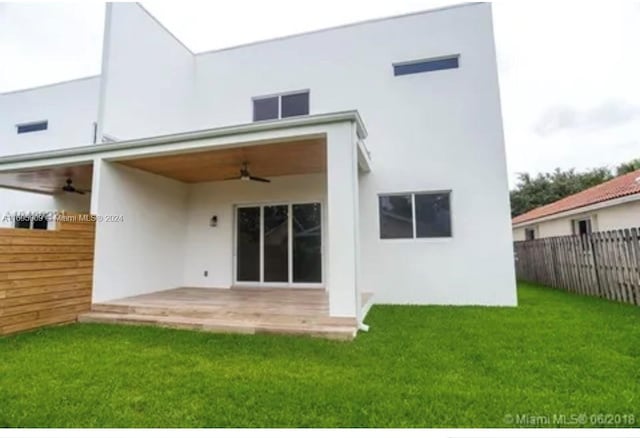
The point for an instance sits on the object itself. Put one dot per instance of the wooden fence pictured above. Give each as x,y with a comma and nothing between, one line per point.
604,264
45,276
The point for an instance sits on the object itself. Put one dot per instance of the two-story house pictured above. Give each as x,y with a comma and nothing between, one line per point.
362,158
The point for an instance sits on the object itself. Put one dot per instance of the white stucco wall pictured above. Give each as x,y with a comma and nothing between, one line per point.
616,217
619,217
70,108
212,248
145,251
148,76
431,131
559,227
72,203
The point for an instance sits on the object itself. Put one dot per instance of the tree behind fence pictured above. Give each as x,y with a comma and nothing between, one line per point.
604,264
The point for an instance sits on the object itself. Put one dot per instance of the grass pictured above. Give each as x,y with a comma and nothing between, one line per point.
556,354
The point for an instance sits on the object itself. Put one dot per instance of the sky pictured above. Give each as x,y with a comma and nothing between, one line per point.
569,71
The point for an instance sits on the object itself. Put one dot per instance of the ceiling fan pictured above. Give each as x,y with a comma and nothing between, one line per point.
245,175
70,188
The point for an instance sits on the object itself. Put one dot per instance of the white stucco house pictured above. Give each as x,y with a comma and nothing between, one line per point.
612,205
362,158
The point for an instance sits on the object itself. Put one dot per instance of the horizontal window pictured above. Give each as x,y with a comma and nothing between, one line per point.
415,215
280,106
35,222
23,128
422,66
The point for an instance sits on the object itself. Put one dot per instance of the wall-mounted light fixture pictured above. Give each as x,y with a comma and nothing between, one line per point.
214,221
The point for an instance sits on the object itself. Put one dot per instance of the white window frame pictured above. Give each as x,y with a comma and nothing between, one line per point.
35,122
279,96
413,194
424,60
290,284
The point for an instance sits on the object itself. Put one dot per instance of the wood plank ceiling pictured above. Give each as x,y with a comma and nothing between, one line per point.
49,181
266,160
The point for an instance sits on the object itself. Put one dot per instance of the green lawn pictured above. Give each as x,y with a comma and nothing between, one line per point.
556,353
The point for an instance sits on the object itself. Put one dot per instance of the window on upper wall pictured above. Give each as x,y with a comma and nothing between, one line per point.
24,128
426,65
281,106
415,215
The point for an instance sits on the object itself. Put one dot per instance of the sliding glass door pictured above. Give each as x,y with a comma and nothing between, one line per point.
279,244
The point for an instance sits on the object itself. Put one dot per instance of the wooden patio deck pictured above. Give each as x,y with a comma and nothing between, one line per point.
283,311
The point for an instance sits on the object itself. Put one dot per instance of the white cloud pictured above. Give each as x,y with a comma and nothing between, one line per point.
609,114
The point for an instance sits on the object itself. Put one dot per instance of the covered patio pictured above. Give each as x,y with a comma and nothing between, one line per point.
249,228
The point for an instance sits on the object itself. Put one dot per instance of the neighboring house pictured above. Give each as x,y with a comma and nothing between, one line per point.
612,205
413,207
41,119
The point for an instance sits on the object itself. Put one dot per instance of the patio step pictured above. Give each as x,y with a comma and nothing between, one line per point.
225,325
204,312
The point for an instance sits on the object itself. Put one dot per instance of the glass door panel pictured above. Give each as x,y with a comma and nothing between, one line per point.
248,244
307,243
276,243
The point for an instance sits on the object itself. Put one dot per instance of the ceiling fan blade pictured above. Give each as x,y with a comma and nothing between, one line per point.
79,192
257,178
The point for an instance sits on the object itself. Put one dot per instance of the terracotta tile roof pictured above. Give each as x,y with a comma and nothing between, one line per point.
618,187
